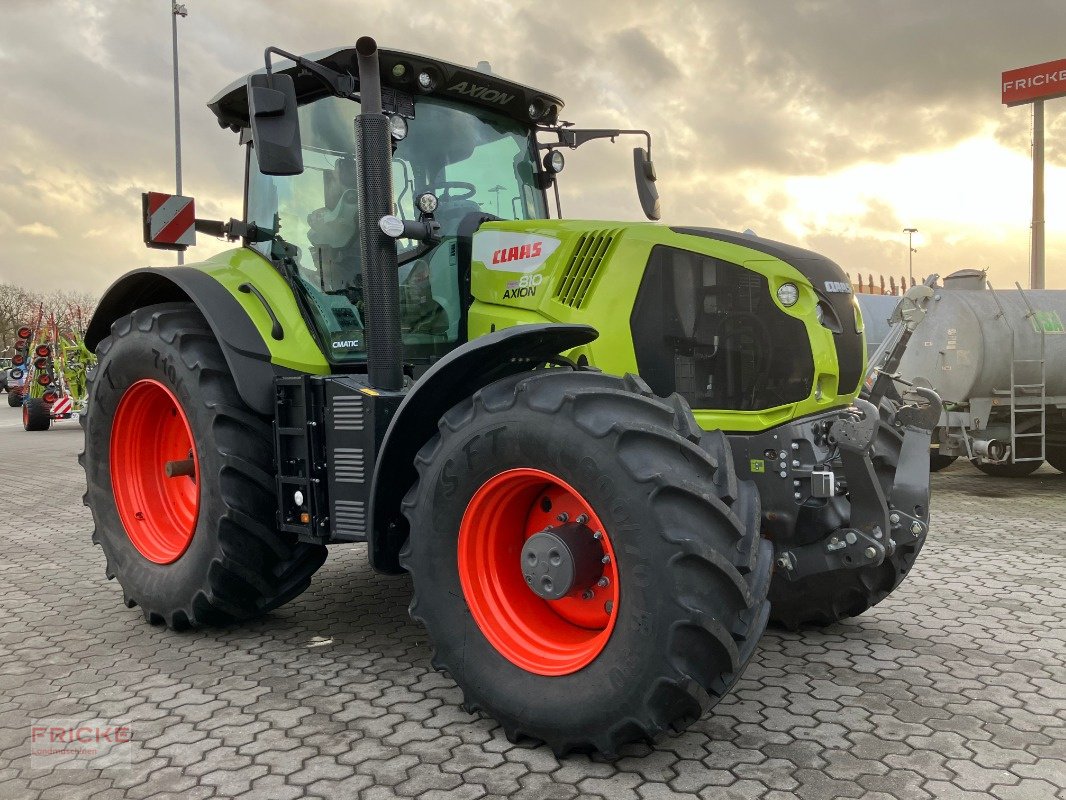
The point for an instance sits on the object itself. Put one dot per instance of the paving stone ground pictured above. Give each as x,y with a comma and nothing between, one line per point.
954,687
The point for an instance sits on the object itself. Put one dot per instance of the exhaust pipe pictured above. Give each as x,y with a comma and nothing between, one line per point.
381,290
990,449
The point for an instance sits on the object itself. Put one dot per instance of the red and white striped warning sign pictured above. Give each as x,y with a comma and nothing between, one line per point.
171,219
63,405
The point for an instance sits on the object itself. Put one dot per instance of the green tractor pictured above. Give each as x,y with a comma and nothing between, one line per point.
607,453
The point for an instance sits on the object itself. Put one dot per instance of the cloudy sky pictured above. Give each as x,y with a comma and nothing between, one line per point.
828,123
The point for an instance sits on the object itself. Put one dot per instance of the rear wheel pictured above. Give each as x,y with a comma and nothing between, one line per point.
180,478
36,415
588,572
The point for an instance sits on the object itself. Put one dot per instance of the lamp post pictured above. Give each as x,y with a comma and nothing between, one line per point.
910,252
177,10
496,190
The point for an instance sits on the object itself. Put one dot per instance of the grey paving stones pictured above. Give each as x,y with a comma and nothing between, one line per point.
954,687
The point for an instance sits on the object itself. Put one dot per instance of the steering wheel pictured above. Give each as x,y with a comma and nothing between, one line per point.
469,190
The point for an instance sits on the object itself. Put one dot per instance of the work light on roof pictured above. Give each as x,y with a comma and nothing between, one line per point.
425,80
554,161
426,202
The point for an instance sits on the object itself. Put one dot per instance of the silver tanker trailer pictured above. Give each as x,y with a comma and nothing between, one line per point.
997,358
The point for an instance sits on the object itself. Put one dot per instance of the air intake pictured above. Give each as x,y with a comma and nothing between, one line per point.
584,264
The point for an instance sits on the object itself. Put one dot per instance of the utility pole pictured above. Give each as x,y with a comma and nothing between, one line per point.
176,10
1036,268
910,251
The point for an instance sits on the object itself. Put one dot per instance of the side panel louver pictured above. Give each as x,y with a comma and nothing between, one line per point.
584,264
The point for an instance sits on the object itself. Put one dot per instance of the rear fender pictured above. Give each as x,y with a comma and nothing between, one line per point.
246,353
455,377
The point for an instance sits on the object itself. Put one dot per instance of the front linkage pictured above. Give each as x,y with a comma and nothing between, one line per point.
881,520
846,493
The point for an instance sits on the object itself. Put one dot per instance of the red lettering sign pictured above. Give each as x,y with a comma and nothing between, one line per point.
1038,82
517,253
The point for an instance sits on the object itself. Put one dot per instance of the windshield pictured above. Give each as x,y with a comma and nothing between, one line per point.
474,161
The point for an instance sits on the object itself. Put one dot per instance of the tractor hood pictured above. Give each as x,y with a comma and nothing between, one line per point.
400,73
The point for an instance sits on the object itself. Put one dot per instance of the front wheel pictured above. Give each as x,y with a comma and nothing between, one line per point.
587,571
14,398
180,477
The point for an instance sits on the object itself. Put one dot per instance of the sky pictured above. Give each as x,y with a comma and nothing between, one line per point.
831,124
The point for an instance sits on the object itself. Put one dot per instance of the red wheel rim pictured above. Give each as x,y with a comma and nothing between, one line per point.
158,512
545,637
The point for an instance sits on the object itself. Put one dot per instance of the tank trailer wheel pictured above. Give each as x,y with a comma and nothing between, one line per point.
1056,457
180,478
827,598
938,462
588,573
1009,469
36,415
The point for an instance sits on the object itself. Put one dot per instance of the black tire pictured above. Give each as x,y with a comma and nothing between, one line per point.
826,598
35,415
938,462
1009,469
237,565
14,399
1056,457
693,570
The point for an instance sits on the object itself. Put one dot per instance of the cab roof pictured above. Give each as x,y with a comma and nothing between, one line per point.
399,71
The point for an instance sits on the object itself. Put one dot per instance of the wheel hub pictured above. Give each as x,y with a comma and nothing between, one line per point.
557,560
154,471
514,528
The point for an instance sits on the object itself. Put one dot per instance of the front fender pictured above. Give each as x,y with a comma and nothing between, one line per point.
247,355
455,377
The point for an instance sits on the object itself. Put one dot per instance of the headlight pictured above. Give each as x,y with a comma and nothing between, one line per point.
398,127
788,294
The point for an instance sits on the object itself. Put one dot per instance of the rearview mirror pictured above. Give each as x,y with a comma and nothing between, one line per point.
644,171
275,124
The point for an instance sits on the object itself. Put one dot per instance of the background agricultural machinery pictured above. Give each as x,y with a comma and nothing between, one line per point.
998,360
48,376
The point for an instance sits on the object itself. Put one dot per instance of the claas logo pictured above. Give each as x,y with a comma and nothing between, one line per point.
505,254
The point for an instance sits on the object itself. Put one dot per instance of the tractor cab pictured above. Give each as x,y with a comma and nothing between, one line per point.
463,148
